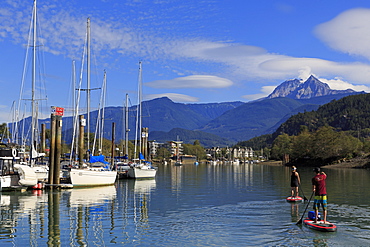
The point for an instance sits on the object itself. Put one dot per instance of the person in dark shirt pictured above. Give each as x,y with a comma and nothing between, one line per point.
294,181
319,187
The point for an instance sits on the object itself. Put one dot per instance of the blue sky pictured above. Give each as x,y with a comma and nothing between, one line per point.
192,51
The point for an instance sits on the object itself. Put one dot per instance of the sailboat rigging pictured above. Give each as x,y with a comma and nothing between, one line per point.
123,163
96,172
13,174
140,168
36,98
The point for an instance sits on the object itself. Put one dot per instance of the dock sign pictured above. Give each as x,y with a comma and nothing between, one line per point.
57,111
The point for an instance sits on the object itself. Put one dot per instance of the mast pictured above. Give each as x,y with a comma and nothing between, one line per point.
88,82
33,119
140,111
138,116
75,99
101,117
14,119
74,96
126,126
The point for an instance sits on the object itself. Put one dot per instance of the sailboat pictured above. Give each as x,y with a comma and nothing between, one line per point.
140,168
34,161
123,165
96,172
15,171
13,175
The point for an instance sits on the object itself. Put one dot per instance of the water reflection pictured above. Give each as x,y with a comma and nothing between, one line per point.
141,199
176,177
144,186
90,212
320,242
294,212
91,196
17,208
54,219
185,205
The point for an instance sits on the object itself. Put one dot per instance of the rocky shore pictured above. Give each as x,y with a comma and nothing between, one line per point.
359,163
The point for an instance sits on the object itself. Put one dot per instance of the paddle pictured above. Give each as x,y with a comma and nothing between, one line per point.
300,221
304,197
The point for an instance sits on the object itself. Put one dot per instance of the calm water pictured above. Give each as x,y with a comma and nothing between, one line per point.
205,205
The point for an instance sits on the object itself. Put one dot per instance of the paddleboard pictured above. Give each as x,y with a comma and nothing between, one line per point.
294,199
320,226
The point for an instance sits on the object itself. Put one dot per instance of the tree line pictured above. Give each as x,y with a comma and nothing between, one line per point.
324,145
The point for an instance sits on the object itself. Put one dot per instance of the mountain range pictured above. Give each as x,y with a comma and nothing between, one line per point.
218,124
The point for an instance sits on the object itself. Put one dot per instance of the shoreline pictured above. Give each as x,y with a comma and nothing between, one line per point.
356,163
272,163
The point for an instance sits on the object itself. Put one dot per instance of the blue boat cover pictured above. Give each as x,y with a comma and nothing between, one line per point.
99,158
141,156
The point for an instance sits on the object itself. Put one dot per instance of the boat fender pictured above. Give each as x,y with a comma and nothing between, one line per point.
4,169
14,152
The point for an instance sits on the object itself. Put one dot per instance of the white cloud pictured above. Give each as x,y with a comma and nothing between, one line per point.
356,72
339,84
265,91
242,61
268,89
254,96
173,96
64,32
348,32
254,63
304,73
192,81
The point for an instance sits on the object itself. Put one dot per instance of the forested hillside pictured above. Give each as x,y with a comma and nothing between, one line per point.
337,131
351,113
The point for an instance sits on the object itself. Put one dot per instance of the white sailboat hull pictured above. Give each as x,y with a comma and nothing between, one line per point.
8,182
24,177
141,172
27,176
92,177
42,173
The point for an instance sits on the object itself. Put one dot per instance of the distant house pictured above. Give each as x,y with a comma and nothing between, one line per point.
214,153
175,148
235,153
154,146
243,153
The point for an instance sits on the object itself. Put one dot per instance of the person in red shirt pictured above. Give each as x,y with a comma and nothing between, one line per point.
319,187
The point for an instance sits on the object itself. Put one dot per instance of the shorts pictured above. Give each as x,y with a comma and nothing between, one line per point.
294,184
320,200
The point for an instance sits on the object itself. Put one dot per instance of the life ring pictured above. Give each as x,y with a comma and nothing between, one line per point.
14,152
